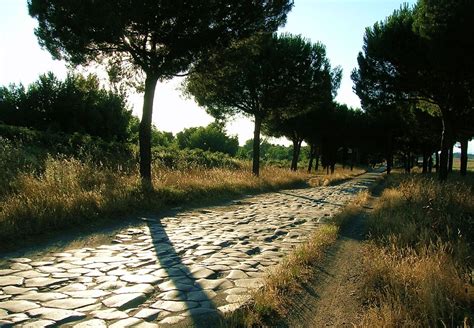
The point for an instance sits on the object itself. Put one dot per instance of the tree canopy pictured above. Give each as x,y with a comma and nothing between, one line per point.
259,76
77,104
157,38
212,137
412,57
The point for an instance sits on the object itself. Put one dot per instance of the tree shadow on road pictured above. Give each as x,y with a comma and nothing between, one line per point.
184,287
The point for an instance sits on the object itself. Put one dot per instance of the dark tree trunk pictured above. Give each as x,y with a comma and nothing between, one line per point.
430,163
352,158
389,153
296,154
437,162
344,157
446,142
464,158
451,159
145,131
316,166
332,167
408,163
425,162
311,158
256,146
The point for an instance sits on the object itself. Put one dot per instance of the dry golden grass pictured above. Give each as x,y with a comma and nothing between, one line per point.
419,261
71,192
320,178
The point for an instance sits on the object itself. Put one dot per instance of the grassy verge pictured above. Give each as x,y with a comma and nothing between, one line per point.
340,175
70,192
271,302
419,258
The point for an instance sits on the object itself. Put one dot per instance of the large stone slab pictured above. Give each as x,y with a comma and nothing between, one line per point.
91,293
11,281
249,283
92,323
60,316
109,314
138,288
124,301
41,297
18,306
43,282
39,324
175,306
70,303
141,279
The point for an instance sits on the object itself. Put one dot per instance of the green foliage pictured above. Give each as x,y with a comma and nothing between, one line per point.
263,76
185,159
26,150
158,38
162,38
277,155
158,138
412,58
212,138
77,104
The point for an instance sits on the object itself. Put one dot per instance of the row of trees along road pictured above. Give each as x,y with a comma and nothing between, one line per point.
157,39
276,79
417,64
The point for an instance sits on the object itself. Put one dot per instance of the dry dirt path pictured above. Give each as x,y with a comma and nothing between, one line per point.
190,267
332,297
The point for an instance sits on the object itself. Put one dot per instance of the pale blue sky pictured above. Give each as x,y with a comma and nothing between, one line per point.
339,24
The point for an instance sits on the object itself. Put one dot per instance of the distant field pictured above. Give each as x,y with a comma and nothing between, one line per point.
457,164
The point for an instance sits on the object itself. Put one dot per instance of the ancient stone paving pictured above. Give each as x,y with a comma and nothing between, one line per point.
197,263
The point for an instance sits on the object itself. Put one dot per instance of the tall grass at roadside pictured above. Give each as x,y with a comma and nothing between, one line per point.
69,192
419,261
320,178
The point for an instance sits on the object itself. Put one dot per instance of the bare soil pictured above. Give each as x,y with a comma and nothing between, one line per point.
333,297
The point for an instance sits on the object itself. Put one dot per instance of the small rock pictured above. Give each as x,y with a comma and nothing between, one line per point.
201,273
249,283
20,266
214,284
20,260
237,298
91,323
237,274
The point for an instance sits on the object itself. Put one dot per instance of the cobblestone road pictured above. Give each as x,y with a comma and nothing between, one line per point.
196,264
